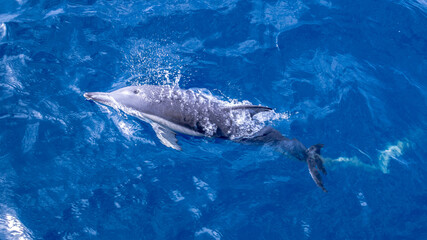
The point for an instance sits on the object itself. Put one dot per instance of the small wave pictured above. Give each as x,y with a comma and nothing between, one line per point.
324,3
20,2
131,11
54,12
128,128
10,69
415,5
248,46
332,77
7,17
362,199
11,227
201,185
281,15
90,231
12,80
306,229
176,196
94,130
30,137
2,30
213,233
192,45
196,212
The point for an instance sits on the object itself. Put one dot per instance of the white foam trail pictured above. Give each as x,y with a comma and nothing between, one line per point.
352,161
383,159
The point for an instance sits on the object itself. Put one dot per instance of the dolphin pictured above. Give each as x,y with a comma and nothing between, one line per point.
170,110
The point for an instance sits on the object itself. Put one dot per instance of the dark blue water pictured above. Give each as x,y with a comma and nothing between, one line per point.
349,74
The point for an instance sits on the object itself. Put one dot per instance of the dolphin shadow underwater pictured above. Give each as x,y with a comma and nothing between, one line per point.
172,110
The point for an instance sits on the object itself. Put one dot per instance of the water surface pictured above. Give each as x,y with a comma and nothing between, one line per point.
351,75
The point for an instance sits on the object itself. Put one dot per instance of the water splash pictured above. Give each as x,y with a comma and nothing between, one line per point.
159,63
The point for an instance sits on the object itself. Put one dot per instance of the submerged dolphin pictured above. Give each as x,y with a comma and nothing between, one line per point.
170,110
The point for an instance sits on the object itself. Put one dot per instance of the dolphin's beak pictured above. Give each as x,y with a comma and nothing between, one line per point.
100,97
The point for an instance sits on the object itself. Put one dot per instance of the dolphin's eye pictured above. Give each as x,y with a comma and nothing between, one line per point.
136,91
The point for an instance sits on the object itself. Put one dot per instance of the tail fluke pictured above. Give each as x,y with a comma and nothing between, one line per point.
315,163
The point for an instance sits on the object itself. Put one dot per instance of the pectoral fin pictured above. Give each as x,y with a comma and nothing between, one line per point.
166,136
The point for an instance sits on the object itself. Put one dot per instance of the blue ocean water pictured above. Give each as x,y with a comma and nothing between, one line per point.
349,74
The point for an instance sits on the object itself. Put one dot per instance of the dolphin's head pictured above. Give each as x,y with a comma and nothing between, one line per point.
131,97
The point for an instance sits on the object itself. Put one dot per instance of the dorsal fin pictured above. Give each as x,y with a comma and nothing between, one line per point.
253,109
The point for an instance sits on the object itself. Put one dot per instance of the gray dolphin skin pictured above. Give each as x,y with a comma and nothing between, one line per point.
172,110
